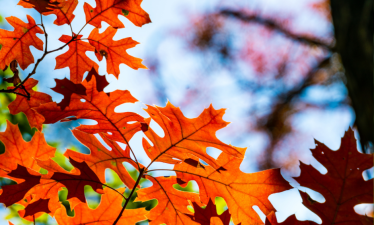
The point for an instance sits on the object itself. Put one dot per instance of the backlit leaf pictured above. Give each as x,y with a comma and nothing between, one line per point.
114,51
172,203
185,137
342,186
109,10
75,58
105,214
22,104
100,107
241,191
16,44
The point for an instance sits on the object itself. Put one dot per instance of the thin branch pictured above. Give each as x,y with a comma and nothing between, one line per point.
274,26
128,199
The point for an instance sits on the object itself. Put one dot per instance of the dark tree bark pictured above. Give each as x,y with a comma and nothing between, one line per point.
353,24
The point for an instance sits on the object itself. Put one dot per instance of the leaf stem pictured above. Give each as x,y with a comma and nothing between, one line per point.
128,198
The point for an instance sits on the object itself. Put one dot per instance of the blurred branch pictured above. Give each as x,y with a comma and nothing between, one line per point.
273,25
275,123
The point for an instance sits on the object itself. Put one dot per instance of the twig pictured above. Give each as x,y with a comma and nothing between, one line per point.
128,199
46,52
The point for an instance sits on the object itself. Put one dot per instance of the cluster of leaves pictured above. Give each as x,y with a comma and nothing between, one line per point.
183,145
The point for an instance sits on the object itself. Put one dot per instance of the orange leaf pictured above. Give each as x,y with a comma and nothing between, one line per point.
185,137
241,191
64,13
22,104
48,188
75,58
108,11
342,186
15,45
105,214
172,203
100,107
42,6
114,51
18,151
101,158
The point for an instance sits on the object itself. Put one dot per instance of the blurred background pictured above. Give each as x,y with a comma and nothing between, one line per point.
288,72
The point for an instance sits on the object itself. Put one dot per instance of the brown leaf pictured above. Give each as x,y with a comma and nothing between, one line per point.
342,186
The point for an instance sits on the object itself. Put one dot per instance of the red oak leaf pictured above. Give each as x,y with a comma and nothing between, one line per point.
114,51
14,193
105,214
40,205
101,81
100,107
109,10
203,216
101,158
272,220
22,104
15,45
240,190
75,58
342,186
172,203
185,137
20,152
64,13
67,88
75,183
42,6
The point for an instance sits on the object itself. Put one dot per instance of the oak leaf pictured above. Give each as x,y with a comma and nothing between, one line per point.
42,6
114,51
15,45
75,58
27,106
271,219
20,152
185,137
342,186
67,88
14,193
204,216
101,81
105,214
100,107
240,190
109,10
172,203
40,205
75,183
101,158
64,13
48,188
